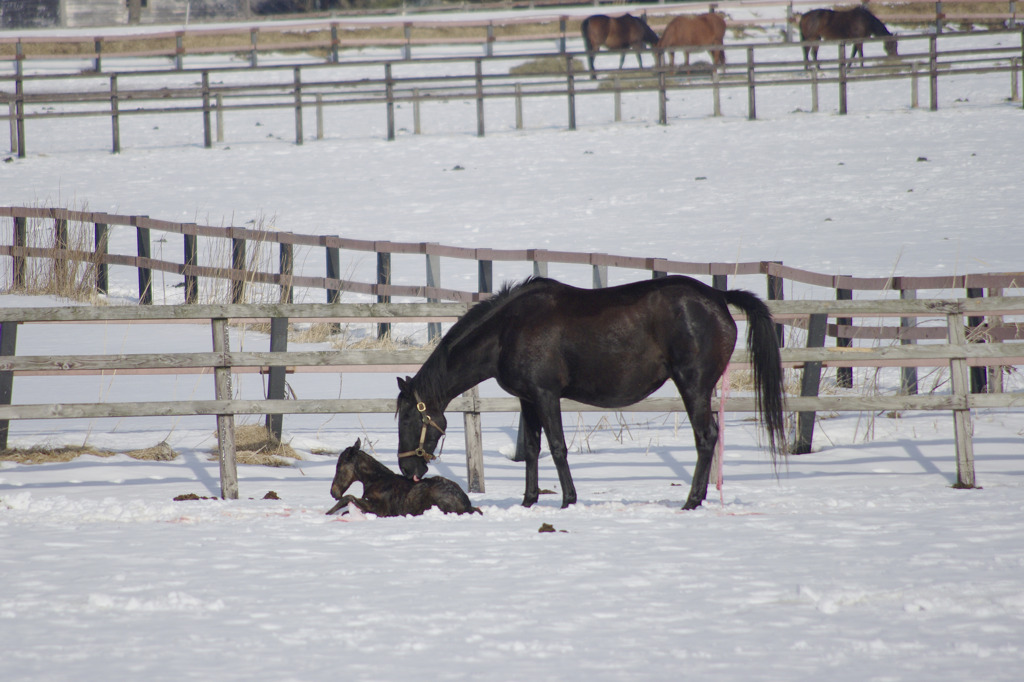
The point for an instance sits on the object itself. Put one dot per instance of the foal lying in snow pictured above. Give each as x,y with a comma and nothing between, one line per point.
386,493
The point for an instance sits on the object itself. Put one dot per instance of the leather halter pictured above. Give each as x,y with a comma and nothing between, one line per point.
426,420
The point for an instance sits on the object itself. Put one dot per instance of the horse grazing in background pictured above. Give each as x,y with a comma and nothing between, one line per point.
543,341
616,33
693,31
827,24
386,493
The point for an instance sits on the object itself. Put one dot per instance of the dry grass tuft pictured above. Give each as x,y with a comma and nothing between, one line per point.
158,453
255,445
547,65
47,455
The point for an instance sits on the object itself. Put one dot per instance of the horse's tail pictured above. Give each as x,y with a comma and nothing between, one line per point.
763,345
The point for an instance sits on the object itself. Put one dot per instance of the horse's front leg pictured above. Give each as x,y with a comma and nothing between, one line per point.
551,421
342,502
528,450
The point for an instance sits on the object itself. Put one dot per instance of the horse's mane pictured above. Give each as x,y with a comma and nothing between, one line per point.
429,380
875,25
369,461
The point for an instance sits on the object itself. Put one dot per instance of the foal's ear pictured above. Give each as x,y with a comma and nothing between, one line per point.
358,443
403,385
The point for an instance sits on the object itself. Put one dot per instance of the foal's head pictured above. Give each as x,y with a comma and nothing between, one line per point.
346,472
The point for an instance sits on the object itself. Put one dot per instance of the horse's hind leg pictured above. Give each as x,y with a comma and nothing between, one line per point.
550,413
705,436
528,450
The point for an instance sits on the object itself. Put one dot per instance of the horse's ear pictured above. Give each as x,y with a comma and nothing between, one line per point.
358,444
403,385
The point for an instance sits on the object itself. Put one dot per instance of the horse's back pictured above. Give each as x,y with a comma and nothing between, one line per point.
439,492
702,29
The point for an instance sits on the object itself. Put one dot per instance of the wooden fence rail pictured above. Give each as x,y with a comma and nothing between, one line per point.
211,94
334,35
958,354
56,243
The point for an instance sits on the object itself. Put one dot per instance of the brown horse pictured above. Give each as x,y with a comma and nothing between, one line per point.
827,24
690,31
616,33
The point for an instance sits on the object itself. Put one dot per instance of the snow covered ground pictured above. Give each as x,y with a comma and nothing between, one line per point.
856,562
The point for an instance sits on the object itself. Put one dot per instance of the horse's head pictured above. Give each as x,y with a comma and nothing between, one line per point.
420,427
345,471
891,45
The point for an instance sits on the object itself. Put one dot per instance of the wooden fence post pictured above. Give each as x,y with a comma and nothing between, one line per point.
145,273
570,86
479,68
979,375
238,267
842,78
97,62
962,427
254,51
297,87
720,282
659,61
814,91
995,372
519,106
716,91
19,112
115,117
485,276
844,375
776,292
809,384
908,375
101,240
207,133
19,265
179,51
751,99
933,73
474,443
219,106
383,278
8,347
433,280
286,267
389,96
191,257
600,276
333,272
276,374
61,263
335,43
225,422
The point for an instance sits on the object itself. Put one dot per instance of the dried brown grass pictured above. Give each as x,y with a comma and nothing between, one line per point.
256,446
41,454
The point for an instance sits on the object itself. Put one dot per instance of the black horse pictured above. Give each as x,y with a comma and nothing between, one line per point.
616,33
543,340
827,24
385,493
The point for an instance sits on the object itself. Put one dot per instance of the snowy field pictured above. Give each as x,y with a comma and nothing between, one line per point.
856,562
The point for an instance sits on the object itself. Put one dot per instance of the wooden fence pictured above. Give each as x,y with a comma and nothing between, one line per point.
958,354
333,35
212,95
